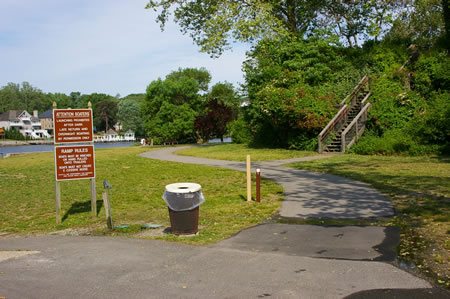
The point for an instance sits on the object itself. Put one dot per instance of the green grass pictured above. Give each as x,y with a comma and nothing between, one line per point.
239,152
27,198
420,191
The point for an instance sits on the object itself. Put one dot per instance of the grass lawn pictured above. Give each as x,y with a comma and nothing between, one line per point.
27,198
239,152
420,191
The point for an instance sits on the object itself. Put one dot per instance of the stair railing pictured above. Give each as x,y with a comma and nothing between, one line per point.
351,98
356,128
333,126
342,115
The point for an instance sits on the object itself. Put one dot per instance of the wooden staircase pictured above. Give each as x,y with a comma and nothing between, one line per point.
348,124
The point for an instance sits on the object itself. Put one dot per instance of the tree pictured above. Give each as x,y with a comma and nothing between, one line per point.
292,86
213,24
139,98
76,99
172,122
129,115
105,114
423,23
171,105
225,94
62,100
221,108
214,122
23,97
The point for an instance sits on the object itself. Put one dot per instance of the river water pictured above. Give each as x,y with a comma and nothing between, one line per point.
49,147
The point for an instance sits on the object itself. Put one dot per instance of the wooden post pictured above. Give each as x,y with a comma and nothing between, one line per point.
58,202
343,143
93,198
258,185
93,188
320,145
57,193
249,180
107,206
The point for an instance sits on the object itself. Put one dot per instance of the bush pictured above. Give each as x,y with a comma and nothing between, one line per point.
14,135
396,141
240,132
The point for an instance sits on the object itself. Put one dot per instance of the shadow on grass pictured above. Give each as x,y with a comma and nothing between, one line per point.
415,195
82,207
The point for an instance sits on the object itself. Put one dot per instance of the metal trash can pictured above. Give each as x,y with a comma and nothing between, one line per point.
183,201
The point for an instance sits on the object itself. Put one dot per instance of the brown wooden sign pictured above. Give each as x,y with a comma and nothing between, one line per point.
74,162
72,125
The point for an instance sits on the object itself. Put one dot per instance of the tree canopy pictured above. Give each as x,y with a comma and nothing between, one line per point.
23,97
172,104
215,24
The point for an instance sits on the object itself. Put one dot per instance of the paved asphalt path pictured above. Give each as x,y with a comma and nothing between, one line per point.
268,260
272,260
307,194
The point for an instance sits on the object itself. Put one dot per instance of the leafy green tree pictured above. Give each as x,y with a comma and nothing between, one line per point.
23,97
62,100
172,122
225,94
76,99
139,98
105,114
172,104
129,115
94,98
293,86
423,23
214,23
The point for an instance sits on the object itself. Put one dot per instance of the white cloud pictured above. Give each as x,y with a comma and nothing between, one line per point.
108,46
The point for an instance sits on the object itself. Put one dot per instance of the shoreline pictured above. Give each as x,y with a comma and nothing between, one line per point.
23,142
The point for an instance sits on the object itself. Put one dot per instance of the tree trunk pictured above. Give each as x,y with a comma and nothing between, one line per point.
291,17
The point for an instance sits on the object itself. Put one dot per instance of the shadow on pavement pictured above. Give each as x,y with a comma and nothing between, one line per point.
434,293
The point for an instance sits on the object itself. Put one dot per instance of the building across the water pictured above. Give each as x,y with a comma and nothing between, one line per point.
46,119
113,136
28,125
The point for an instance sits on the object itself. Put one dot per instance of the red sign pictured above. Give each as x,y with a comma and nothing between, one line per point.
72,125
74,162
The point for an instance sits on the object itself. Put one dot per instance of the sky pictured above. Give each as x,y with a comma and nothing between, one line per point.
103,46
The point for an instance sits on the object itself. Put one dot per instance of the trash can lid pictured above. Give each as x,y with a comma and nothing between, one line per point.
183,188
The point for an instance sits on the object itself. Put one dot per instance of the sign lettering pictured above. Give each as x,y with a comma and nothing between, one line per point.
72,125
74,162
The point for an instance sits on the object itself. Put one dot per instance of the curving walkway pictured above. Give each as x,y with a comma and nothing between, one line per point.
269,260
307,194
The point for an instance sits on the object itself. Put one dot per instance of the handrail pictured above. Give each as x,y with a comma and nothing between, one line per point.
350,126
324,133
342,114
365,98
332,121
356,89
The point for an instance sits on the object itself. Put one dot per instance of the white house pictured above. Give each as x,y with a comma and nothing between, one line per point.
22,121
129,136
112,135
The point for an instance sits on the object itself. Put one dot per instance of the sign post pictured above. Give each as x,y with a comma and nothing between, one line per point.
73,162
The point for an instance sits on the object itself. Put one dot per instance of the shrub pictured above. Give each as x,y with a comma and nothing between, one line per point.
396,141
14,135
240,132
